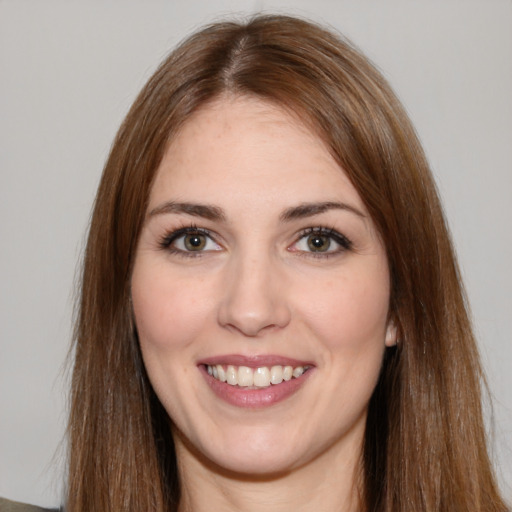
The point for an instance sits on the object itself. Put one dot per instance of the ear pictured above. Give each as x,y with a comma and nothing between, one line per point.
391,334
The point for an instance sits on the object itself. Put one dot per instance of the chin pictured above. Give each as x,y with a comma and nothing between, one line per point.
246,453
255,464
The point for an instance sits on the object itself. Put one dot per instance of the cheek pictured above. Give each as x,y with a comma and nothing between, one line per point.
169,316
168,311
350,314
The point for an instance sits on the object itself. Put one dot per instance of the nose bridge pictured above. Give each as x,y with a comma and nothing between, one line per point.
253,299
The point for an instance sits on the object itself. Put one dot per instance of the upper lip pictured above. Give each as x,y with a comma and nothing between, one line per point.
253,361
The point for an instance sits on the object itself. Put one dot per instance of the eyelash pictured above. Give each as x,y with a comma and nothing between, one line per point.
333,235
166,242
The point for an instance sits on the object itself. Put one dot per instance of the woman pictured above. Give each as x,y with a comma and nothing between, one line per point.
271,311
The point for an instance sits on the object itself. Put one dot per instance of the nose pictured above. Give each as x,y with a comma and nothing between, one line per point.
254,297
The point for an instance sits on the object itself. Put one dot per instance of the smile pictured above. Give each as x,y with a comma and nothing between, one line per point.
260,377
255,382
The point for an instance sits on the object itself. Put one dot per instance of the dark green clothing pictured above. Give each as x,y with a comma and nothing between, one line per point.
14,506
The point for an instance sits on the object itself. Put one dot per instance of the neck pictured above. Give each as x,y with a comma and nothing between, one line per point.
329,483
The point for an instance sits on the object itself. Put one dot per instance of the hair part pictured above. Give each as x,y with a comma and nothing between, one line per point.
425,447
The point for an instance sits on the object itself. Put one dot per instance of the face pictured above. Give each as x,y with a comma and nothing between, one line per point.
260,292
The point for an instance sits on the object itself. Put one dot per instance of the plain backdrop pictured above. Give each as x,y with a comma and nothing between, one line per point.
69,70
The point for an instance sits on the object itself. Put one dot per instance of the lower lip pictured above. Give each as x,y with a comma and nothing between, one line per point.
255,398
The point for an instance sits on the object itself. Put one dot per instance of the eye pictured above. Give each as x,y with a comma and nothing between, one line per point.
318,243
190,240
321,241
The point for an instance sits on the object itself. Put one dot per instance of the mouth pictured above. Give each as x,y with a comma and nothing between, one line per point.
255,382
255,378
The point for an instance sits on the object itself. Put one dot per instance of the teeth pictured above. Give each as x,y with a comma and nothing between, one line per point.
245,376
231,375
221,374
276,374
261,377
297,372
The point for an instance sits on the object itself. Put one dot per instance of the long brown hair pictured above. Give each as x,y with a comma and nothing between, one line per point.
425,446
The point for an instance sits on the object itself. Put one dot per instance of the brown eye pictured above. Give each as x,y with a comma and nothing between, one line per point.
321,242
194,241
318,243
190,241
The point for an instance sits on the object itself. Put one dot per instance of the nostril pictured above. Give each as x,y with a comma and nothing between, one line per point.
251,329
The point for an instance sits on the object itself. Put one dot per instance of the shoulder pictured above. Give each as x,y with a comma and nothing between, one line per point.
14,506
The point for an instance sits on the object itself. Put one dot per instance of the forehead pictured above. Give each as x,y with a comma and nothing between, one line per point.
244,147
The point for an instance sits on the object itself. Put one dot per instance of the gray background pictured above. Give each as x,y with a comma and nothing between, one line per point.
68,73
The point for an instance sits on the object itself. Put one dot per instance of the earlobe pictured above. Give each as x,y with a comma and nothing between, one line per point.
391,334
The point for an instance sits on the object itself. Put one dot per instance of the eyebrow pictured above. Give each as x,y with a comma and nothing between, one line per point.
309,209
216,213
205,211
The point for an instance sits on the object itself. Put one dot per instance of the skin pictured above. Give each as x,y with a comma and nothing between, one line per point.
257,288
